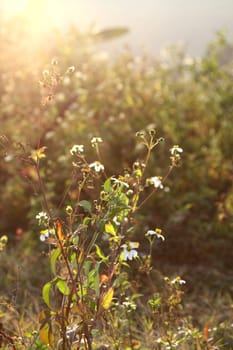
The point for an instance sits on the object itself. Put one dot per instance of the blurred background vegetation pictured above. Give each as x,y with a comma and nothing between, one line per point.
188,101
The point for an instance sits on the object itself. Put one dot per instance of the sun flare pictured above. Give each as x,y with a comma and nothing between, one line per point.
38,14
12,8
23,7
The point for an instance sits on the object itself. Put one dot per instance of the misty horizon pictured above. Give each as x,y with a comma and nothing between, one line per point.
151,24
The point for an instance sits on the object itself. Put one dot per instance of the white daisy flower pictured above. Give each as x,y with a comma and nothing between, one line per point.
157,233
76,149
44,235
129,250
156,181
176,149
116,181
97,166
182,281
47,233
178,280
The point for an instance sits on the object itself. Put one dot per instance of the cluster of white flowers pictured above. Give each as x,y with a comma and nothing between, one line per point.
129,248
76,149
155,233
97,166
42,218
129,304
156,181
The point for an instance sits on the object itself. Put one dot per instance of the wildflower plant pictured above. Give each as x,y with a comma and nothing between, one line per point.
91,247
92,250
201,94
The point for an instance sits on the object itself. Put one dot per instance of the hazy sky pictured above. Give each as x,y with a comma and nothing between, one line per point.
152,23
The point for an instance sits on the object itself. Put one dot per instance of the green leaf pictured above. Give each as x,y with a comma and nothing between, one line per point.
46,293
93,280
86,220
101,225
87,266
100,254
85,205
72,257
111,33
107,185
63,287
53,259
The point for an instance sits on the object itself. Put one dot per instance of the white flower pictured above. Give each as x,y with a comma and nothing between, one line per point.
96,140
178,280
44,235
116,181
130,305
182,281
176,149
115,220
156,181
97,166
8,158
41,214
42,218
76,149
129,251
156,233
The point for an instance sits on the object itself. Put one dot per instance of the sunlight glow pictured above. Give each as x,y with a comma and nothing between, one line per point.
33,21
38,14
12,8
51,13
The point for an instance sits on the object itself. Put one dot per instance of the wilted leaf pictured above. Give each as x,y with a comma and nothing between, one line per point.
44,317
46,334
206,330
60,233
107,299
109,228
